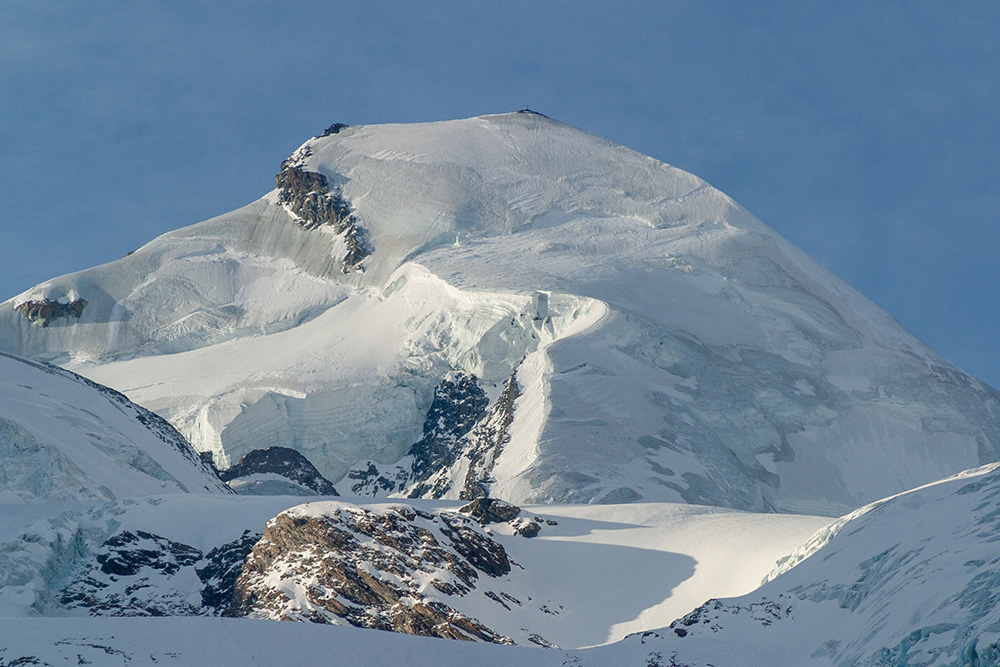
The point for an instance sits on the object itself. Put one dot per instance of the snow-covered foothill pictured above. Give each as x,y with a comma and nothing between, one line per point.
911,580
667,346
592,575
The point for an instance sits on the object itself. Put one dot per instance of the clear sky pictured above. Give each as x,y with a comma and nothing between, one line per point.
867,133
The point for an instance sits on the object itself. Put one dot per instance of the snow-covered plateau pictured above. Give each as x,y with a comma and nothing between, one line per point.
568,393
665,345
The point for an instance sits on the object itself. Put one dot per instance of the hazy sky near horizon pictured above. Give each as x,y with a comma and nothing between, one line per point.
865,133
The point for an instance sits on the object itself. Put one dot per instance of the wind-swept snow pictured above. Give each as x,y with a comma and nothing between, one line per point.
910,580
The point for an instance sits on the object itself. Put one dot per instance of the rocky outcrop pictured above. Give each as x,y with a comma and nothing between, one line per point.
493,510
44,312
143,574
308,197
464,467
486,442
251,474
459,403
218,571
370,480
334,129
388,567
490,510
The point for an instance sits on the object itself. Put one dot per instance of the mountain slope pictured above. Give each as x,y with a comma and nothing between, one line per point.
63,437
664,344
911,580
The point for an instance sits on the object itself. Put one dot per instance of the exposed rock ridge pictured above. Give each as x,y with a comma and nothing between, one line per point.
334,129
466,471
386,569
307,196
487,441
283,461
44,312
493,510
459,403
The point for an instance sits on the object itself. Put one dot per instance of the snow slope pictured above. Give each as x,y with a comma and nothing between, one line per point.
592,575
63,437
911,580
667,346
906,581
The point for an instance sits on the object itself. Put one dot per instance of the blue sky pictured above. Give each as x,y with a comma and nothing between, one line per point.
866,133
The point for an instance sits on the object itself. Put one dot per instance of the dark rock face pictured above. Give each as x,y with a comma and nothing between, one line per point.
307,195
480,444
142,574
371,569
218,571
459,403
334,129
283,461
373,481
528,529
494,510
45,312
486,442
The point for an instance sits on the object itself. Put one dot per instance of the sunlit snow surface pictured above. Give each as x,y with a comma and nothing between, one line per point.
593,574
684,353
912,580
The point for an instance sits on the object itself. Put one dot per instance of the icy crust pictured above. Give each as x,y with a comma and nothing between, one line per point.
63,437
667,345
911,580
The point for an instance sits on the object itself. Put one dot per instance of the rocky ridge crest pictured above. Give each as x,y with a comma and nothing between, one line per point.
281,461
307,196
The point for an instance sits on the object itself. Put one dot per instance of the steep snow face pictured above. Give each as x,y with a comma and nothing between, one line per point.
63,437
912,580
667,345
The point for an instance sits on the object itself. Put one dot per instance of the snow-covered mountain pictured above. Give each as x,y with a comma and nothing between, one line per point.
626,332
63,438
497,309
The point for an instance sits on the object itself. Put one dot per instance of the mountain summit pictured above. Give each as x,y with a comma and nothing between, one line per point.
507,305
